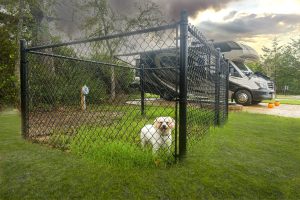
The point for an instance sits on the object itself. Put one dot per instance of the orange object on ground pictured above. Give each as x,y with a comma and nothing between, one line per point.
270,105
277,103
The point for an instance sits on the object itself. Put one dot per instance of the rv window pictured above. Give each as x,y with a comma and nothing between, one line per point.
233,71
241,66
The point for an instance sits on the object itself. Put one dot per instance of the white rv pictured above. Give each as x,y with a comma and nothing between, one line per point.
246,87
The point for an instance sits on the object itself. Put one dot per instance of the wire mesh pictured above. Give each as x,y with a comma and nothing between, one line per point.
121,92
85,95
224,88
207,80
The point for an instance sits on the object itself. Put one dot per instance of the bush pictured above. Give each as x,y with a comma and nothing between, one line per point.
8,80
58,81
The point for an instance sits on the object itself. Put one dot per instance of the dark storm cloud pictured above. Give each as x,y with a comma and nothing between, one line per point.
172,8
70,16
250,25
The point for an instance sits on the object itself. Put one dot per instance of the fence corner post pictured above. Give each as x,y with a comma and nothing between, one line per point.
217,88
183,84
23,83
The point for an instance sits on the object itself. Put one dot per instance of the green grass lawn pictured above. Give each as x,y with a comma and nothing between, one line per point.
116,141
286,99
289,101
252,157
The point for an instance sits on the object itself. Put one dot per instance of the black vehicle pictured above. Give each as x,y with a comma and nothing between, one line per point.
161,72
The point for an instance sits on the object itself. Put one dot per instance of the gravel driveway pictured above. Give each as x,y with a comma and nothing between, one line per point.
283,110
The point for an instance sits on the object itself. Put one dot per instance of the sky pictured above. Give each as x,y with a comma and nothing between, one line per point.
253,22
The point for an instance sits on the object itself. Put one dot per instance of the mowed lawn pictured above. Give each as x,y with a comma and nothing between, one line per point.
286,99
252,157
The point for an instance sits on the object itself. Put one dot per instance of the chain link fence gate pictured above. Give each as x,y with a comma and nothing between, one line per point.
99,94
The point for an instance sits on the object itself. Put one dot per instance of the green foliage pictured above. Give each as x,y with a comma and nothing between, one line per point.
8,83
282,63
256,66
30,20
58,82
17,20
123,76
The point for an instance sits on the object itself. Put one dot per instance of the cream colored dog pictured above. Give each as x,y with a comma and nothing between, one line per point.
158,134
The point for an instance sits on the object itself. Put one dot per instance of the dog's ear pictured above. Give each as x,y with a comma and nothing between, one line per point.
156,123
171,122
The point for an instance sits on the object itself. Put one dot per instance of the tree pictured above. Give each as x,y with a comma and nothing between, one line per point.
256,66
8,86
29,20
282,63
104,20
18,19
9,52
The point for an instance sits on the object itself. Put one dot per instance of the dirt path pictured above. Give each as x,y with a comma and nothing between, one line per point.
283,110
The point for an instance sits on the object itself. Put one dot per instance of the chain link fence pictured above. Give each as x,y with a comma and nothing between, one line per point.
207,86
142,92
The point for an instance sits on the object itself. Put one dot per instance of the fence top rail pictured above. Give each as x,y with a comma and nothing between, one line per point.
130,66
107,37
194,32
79,59
146,52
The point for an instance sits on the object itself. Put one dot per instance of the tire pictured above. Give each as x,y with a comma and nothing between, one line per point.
255,102
243,97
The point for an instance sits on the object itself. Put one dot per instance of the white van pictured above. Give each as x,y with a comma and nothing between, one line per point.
245,86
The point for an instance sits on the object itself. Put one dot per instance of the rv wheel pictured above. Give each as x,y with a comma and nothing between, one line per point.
243,97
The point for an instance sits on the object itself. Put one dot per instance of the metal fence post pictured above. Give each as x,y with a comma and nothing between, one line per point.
183,83
23,81
142,86
217,88
227,88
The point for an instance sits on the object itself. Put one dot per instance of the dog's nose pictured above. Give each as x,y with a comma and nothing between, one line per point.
164,126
